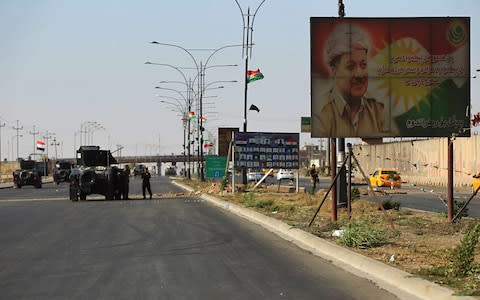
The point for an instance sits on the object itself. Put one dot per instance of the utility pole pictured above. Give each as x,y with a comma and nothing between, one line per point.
47,137
34,133
17,128
55,144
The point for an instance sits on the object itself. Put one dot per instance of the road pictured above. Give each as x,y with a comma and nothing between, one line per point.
168,248
426,198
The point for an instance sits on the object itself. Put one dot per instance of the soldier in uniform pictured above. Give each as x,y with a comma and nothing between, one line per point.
125,182
347,111
146,183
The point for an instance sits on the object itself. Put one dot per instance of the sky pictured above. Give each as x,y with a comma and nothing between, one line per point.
64,63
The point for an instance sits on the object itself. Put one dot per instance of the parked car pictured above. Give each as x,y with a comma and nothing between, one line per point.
254,175
138,170
266,171
285,174
475,182
388,177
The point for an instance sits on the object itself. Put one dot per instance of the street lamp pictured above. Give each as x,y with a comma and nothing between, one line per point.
247,43
200,72
188,106
177,107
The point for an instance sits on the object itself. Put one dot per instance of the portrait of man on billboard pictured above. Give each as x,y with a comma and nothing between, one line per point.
390,77
345,109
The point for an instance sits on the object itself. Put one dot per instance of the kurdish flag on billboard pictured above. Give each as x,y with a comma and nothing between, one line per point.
390,77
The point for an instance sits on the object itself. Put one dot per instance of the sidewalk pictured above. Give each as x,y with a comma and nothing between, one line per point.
402,284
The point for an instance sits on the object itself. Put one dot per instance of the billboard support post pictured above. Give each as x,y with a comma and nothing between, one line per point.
450,179
333,174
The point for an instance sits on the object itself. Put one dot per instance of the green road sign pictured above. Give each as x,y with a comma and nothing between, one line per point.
215,166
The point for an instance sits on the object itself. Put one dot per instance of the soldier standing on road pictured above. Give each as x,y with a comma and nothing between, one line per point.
146,183
314,175
125,182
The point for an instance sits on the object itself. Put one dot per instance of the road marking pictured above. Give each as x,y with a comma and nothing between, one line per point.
34,199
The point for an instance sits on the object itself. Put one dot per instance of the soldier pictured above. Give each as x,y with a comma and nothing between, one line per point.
125,182
314,175
146,183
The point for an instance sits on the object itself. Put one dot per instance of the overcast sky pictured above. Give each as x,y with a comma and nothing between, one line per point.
63,63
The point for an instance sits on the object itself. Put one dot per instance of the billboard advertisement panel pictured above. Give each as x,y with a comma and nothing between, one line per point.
224,138
390,77
267,150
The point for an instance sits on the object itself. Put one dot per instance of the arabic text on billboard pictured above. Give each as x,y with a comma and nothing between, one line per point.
267,150
385,77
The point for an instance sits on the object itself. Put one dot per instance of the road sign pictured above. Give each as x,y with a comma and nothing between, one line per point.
215,166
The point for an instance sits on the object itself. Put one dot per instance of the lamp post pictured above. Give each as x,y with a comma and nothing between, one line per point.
17,128
247,43
183,112
55,144
188,107
201,73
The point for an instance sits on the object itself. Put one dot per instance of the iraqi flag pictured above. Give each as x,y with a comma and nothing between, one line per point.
40,145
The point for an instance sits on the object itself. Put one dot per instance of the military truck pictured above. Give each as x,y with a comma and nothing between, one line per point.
94,173
28,174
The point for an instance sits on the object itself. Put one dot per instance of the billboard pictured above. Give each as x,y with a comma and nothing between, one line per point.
266,150
224,138
390,77
305,124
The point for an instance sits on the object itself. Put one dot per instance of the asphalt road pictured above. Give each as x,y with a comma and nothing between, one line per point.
177,248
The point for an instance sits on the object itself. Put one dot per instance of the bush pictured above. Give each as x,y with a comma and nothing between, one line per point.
248,199
263,203
360,234
388,204
463,255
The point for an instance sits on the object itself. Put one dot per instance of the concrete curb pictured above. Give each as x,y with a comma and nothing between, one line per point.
398,282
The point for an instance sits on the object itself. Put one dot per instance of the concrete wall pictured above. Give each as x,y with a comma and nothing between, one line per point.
424,161
6,170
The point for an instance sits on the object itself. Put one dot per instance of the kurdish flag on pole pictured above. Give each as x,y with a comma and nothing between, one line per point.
253,75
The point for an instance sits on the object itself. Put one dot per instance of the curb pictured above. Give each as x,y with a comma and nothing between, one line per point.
400,283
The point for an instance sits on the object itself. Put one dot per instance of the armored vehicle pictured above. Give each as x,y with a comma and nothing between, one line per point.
28,174
62,172
94,174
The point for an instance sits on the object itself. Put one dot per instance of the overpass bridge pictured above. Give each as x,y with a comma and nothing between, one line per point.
148,159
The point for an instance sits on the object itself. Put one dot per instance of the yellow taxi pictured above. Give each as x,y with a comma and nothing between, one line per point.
476,182
388,177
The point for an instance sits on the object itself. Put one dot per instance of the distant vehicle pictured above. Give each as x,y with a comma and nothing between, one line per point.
171,171
254,175
285,174
62,172
28,174
387,177
139,170
94,174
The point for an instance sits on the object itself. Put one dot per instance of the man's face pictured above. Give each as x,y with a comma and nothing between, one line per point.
351,75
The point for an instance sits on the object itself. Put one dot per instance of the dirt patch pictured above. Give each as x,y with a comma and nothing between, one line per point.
418,242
